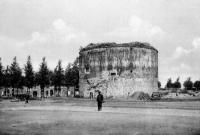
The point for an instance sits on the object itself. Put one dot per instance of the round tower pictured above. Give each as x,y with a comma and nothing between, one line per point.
118,70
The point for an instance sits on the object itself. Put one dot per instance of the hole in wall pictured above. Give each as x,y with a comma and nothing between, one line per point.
34,93
112,74
87,68
51,92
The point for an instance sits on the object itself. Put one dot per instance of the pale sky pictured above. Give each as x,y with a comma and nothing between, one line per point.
57,28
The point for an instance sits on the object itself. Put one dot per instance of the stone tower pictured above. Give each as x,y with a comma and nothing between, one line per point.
118,70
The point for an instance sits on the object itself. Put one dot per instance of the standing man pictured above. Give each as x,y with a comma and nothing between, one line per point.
100,100
26,97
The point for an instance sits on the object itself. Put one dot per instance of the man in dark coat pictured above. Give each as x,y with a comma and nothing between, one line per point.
26,97
100,100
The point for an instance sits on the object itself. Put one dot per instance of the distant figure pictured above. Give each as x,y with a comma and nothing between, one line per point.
26,98
100,100
91,95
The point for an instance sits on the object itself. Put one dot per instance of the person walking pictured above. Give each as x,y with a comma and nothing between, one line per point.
100,100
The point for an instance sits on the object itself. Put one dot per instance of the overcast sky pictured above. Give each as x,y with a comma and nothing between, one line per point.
57,28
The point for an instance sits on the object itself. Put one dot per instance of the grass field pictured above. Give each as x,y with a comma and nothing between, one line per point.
80,117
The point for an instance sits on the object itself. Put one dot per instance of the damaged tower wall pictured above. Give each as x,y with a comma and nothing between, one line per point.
118,70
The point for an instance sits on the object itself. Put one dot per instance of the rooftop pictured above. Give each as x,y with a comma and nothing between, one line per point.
113,44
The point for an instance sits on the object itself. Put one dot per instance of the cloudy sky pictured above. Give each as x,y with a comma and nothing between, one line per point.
57,28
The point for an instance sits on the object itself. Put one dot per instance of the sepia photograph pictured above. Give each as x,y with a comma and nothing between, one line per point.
99,67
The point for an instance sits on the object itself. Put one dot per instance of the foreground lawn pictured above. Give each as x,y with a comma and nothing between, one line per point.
55,118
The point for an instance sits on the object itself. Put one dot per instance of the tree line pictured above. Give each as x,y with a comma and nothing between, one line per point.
15,77
187,84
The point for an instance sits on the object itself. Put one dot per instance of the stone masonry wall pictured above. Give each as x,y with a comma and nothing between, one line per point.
118,71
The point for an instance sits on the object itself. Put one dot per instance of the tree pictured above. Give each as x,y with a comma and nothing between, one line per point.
51,77
29,74
68,75
7,80
159,84
36,79
21,82
15,75
197,85
177,84
43,76
1,74
75,75
58,76
72,74
169,83
188,84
